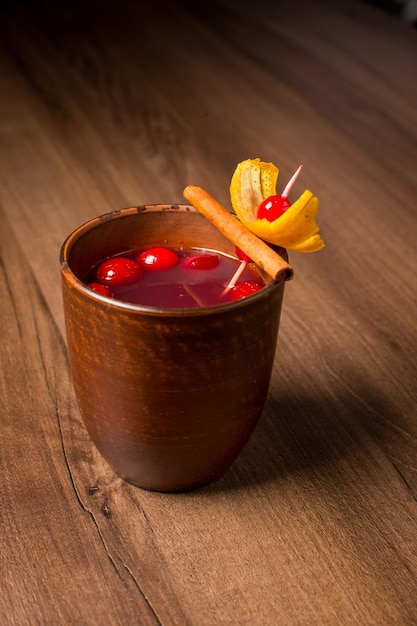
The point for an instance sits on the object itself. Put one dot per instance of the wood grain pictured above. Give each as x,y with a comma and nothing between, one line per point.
106,105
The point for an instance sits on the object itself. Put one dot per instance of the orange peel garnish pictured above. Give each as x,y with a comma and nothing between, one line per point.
252,182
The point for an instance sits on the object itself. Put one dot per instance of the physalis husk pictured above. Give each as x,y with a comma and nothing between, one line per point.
252,182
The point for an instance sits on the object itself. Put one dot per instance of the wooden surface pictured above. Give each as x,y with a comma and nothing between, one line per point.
106,105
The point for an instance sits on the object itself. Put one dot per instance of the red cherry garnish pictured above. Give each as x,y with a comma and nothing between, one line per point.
242,255
200,261
273,207
243,289
158,259
118,271
104,290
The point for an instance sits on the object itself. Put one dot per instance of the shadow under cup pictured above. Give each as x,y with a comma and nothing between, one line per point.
170,397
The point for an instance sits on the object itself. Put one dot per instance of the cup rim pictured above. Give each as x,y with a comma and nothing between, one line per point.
138,308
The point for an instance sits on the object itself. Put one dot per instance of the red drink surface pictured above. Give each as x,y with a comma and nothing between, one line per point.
184,285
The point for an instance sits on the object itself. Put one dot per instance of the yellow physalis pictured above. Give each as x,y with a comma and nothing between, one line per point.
252,183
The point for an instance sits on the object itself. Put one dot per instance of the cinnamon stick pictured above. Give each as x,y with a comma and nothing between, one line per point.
271,262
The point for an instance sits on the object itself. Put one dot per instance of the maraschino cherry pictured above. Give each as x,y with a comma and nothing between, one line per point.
104,290
118,271
158,259
200,261
242,255
273,207
244,289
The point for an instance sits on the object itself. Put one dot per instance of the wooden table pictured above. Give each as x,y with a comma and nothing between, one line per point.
107,105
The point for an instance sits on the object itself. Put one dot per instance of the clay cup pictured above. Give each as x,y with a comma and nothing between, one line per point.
170,397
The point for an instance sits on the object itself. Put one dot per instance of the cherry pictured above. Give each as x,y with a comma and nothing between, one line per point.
242,255
273,207
118,271
200,261
158,259
104,290
244,289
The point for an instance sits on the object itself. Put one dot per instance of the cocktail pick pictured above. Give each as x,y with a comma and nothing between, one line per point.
244,260
291,182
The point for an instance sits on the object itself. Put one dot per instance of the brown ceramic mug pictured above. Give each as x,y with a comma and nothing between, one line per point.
170,397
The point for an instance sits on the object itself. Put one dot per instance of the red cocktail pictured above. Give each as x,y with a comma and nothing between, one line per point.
173,278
